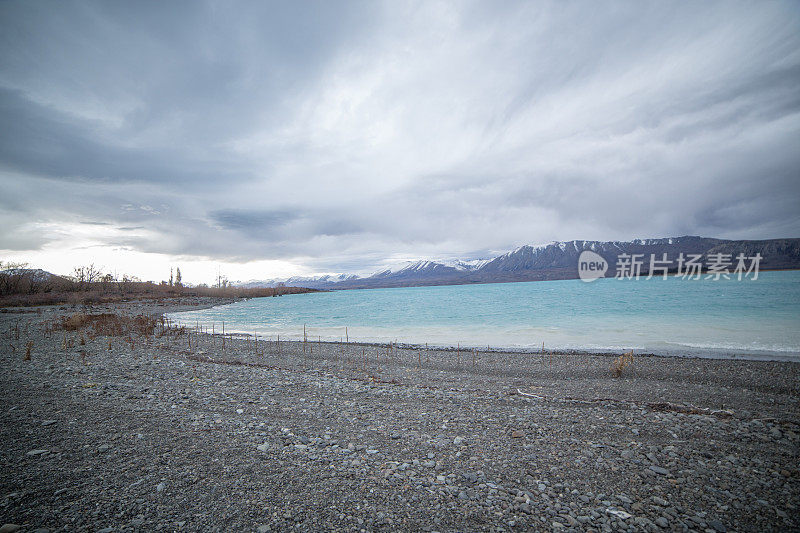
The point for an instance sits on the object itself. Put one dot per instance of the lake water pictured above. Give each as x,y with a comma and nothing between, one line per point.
726,318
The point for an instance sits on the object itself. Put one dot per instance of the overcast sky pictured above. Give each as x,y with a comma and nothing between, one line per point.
300,137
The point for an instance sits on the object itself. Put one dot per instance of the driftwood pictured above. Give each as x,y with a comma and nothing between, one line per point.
655,406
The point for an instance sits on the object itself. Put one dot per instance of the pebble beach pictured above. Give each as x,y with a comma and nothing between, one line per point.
175,432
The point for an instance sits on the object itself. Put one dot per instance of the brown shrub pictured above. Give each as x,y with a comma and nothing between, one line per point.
620,363
109,324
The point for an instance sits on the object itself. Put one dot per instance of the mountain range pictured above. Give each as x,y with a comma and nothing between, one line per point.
556,260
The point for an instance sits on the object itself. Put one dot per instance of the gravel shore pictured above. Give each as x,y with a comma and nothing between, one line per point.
172,432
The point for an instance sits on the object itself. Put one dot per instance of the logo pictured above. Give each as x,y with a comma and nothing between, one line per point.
591,266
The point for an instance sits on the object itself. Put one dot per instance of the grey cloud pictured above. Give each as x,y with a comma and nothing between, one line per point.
339,134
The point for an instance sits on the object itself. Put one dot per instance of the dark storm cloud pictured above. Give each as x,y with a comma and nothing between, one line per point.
339,134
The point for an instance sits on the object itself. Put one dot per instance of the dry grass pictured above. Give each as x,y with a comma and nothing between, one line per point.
28,349
99,293
110,324
620,363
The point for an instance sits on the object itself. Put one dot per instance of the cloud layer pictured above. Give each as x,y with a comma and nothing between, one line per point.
334,136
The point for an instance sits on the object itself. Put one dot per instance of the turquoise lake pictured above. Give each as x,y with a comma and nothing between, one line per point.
723,318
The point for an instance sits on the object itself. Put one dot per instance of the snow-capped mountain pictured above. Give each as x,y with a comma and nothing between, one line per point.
555,260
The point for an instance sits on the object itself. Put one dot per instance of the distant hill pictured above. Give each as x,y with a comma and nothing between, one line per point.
34,274
556,260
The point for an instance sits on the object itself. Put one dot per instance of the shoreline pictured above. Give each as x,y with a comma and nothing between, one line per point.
172,431
678,352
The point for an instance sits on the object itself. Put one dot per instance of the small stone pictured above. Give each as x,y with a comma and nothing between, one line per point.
160,487
9,528
627,454
458,441
660,501
263,447
239,411
517,434
36,452
103,448
264,529
48,422
659,470
662,522
716,525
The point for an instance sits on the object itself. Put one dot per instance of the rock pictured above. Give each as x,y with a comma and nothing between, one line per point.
619,513
103,448
264,529
239,411
160,487
517,434
660,501
659,470
263,447
458,441
48,422
662,522
37,452
716,525
9,528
